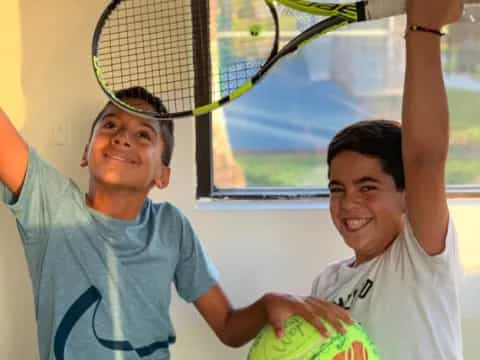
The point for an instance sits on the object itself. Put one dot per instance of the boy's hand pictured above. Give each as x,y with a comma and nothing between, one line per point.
279,307
433,14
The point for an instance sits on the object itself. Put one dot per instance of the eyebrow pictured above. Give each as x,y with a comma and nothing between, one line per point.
359,181
107,115
366,179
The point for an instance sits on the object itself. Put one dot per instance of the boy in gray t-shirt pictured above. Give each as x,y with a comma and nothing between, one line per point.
102,263
388,203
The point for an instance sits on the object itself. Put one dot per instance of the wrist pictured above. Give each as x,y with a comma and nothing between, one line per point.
423,29
264,300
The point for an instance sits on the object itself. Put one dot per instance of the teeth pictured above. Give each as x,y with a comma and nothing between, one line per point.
355,224
119,158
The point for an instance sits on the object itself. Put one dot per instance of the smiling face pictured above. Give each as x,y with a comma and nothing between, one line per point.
125,151
365,205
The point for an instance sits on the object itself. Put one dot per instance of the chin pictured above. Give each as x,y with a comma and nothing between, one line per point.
117,182
356,244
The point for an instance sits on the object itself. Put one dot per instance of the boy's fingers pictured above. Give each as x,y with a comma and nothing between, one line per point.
344,315
323,308
332,313
337,325
278,327
321,328
316,321
279,332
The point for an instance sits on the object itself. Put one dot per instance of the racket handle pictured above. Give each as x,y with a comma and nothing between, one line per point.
379,9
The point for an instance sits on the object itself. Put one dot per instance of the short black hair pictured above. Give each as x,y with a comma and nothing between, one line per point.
166,126
380,139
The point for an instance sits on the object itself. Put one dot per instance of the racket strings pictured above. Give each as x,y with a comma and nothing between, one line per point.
173,50
148,43
244,36
300,20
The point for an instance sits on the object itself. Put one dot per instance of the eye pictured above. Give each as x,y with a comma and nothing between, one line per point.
109,124
335,189
144,135
367,188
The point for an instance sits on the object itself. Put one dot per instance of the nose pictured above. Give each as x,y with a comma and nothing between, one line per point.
350,200
122,138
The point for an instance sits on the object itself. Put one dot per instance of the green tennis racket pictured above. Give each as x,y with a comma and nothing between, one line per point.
197,55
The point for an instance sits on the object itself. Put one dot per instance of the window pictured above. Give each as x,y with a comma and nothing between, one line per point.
271,143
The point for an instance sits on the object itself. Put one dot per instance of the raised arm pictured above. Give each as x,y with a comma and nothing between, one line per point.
425,123
13,155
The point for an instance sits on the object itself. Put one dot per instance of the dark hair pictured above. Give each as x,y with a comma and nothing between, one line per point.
166,126
380,139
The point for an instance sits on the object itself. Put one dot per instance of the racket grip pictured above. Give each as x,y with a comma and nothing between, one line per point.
379,9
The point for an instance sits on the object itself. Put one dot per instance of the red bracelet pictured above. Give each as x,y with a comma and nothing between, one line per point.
424,29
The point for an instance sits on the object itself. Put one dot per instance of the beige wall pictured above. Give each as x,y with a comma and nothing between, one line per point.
47,87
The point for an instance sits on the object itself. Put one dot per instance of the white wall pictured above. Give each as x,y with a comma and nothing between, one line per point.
47,82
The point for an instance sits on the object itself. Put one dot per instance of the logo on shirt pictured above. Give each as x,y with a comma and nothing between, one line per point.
348,301
88,299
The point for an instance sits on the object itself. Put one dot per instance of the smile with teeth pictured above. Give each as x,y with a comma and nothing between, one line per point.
355,224
120,158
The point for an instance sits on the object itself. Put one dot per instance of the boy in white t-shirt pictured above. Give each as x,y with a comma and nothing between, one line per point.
388,202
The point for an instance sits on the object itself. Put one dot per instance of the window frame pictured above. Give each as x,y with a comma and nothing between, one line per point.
205,187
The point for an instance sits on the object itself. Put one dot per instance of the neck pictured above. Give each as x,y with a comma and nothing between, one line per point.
121,204
361,258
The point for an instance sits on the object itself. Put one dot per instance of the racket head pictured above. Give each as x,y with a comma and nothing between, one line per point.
195,55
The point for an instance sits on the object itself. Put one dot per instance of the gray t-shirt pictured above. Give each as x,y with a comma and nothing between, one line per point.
102,286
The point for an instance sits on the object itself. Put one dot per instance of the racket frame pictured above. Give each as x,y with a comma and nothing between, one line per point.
340,15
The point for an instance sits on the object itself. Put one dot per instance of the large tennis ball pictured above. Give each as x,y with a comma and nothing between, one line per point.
303,342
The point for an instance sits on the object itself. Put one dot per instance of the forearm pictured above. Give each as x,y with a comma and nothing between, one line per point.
425,108
235,327
425,123
242,325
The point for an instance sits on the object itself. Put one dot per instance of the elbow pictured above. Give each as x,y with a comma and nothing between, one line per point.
234,344
231,341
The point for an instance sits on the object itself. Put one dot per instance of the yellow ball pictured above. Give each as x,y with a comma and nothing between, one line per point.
302,341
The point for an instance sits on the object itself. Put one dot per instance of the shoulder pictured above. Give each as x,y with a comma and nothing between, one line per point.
44,178
409,240
165,210
408,259
167,216
328,276
40,167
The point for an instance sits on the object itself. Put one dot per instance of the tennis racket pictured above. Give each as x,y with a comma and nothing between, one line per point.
197,55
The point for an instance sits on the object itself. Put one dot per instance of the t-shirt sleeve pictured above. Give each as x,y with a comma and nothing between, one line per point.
195,273
35,209
40,195
410,253
326,280
318,286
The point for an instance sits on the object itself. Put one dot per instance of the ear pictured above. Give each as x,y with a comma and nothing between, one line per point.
84,161
162,179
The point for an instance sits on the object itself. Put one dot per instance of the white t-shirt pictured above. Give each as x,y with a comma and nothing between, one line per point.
407,301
